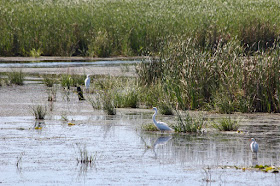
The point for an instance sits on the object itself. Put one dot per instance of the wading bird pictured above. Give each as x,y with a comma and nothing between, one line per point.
87,82
254,146
160,125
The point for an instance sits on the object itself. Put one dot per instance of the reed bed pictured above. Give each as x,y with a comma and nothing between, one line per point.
226,79
108,28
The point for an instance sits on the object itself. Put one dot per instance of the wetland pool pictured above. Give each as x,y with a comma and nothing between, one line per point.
46,152
125,155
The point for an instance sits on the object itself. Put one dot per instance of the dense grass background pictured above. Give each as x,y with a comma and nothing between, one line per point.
132,27
226,79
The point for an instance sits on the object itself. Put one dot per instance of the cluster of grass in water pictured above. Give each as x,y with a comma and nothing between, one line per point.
107,28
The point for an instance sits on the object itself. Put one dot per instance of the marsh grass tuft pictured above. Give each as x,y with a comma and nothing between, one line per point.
35,53
16,78
226,124
85,157
149,127
49,80
72,80
39,111
103,101
188,124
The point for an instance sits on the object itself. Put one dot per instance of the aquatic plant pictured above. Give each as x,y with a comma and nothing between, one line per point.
39,111
16,77
104,101
149,127
225,124
188,123
84,157
72,80
49,80
127,98
35,53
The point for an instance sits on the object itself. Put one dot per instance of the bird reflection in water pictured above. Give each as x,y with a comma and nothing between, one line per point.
161,140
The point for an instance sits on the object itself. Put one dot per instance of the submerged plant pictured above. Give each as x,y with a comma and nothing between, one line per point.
39,111
226,124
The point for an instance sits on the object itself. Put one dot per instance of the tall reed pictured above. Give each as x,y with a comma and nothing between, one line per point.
226,79
108,28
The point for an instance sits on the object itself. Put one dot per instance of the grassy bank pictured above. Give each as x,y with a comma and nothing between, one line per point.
109,28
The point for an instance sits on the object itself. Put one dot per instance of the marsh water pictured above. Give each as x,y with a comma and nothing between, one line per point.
46,152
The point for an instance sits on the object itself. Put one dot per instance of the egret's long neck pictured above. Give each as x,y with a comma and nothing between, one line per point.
154,117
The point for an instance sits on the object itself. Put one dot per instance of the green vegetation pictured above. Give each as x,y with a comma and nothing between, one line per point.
226,79
49,80
188,124
16,77
39,111
108,28
226,124
149,127
72,80
210,55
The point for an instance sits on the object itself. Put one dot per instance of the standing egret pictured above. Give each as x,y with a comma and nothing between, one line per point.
160,125
254,146
87,82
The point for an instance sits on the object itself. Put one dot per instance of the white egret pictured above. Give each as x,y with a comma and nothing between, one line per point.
87,82
160,125
254,146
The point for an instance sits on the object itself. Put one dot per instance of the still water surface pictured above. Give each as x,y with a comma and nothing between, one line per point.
126,156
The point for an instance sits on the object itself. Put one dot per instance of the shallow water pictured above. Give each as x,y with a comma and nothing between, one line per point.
125,155
65,64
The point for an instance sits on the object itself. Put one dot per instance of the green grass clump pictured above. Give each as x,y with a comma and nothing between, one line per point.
39,111
49,80
149,127
103,101
188,124
35,53
226,124
72,80
16,78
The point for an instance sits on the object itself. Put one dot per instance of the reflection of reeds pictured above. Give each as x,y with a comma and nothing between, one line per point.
19,161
